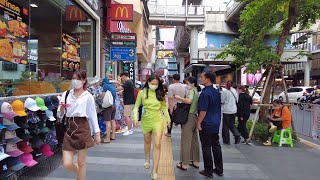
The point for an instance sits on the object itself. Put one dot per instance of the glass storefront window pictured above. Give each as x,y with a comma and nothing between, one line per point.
42,43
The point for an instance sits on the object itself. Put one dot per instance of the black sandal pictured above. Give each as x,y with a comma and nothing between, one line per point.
179,166
193,165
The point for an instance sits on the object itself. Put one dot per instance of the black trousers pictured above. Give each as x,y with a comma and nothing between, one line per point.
276,123
242,127
228,125
169,129
210,142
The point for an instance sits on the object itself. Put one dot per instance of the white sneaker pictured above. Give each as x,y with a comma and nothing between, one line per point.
126,128
128,133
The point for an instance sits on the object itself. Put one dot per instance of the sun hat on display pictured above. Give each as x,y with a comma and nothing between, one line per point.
27,160
31,105
14,163
48,103
41,104
7,111
50,115
18,107
13,150
9,123
11,137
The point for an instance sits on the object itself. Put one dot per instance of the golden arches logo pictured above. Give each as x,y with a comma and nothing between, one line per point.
74,12
122,9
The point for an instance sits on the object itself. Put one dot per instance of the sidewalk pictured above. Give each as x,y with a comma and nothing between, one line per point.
123,159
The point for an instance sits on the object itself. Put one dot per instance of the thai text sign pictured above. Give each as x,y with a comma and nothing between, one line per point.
121,12
122,54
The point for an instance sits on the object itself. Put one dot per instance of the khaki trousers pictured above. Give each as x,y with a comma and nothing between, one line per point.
189,141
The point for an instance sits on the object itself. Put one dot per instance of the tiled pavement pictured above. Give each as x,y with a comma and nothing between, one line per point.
123,159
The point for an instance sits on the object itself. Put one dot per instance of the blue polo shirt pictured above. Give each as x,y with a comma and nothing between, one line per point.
210,102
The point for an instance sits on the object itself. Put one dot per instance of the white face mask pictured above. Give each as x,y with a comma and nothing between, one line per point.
189,87
153,87
77,84
137,86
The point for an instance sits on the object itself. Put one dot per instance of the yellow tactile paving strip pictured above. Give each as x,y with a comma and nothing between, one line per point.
166,164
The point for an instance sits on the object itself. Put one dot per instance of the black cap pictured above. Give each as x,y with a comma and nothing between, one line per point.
23,134
55,101
22,122
36,142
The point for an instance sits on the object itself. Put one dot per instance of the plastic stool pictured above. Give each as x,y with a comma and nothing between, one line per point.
283,136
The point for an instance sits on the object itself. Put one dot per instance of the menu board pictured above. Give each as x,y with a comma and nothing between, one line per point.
13,32
70,52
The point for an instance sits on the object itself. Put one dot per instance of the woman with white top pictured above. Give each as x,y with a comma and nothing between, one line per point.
81,119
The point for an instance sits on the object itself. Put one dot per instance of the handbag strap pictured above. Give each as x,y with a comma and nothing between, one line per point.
234,96
65,99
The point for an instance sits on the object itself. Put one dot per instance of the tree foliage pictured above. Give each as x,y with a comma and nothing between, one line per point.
268,18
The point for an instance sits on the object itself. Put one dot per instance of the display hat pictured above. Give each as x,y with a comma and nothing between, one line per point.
3,155
11,137
33,118
48,103
46,150
36,142
34,130
31,104
14,163
27,159
2,127
55,101
21,122
41,104
51,139
23,134
49,113
18,107
3,167
7,111
24,146
9,123
13,150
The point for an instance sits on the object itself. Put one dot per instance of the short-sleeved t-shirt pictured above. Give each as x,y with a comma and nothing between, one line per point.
210,102
193,94
128,93
176,89
285,114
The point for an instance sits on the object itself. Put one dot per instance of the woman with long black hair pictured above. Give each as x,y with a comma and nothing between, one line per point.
152,97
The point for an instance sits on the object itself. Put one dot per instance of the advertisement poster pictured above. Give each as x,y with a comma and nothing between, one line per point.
250,78
165,54
166,45
70,52
13,32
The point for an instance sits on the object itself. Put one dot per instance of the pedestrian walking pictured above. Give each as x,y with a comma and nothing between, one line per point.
189,148
208,124
243,112
174,89
229,100
152,97
78,106
109,113
128,100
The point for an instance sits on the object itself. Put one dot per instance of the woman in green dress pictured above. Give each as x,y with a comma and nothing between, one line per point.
153,100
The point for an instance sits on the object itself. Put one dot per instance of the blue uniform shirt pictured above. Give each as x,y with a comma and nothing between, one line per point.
210,102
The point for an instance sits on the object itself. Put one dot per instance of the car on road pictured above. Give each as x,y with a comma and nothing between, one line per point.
295,93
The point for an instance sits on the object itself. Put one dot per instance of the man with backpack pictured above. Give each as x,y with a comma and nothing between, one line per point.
110,92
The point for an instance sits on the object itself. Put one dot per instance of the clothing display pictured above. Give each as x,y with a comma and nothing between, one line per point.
27,132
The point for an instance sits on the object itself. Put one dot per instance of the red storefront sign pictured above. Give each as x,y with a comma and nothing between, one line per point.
73,13
121,12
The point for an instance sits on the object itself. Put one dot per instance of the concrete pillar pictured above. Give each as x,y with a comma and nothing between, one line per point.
194,46
181,68
307,73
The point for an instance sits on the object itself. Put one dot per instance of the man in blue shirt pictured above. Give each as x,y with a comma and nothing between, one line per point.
109,113
209,119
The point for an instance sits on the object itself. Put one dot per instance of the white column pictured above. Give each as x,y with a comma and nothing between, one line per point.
307,73
194,46
181,67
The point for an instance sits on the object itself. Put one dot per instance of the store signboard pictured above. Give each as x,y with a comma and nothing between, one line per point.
124,39
122,54
73,13
161,64
129,67
165,45
121,12
165,54
13,32
124,44
70,52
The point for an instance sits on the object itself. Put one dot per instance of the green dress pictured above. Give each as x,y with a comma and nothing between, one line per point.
154,112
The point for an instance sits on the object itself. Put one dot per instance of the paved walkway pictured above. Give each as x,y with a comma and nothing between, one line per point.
123,159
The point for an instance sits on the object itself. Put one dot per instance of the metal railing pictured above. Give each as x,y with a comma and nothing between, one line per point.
181,10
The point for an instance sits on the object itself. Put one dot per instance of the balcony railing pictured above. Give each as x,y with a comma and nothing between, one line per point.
182,11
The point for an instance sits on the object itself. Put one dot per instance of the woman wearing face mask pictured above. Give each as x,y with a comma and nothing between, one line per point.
152,97
81,119
189,150
280,119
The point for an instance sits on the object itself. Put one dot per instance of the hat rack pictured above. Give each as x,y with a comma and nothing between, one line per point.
23,97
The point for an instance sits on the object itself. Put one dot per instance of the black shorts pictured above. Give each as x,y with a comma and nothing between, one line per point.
109,113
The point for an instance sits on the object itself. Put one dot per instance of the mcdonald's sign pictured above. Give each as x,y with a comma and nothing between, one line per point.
121,12
73,13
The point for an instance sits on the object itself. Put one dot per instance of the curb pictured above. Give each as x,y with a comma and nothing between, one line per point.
310,144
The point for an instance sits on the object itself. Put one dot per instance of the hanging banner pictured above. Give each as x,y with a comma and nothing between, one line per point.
129,67
70,52
13,32
121,12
